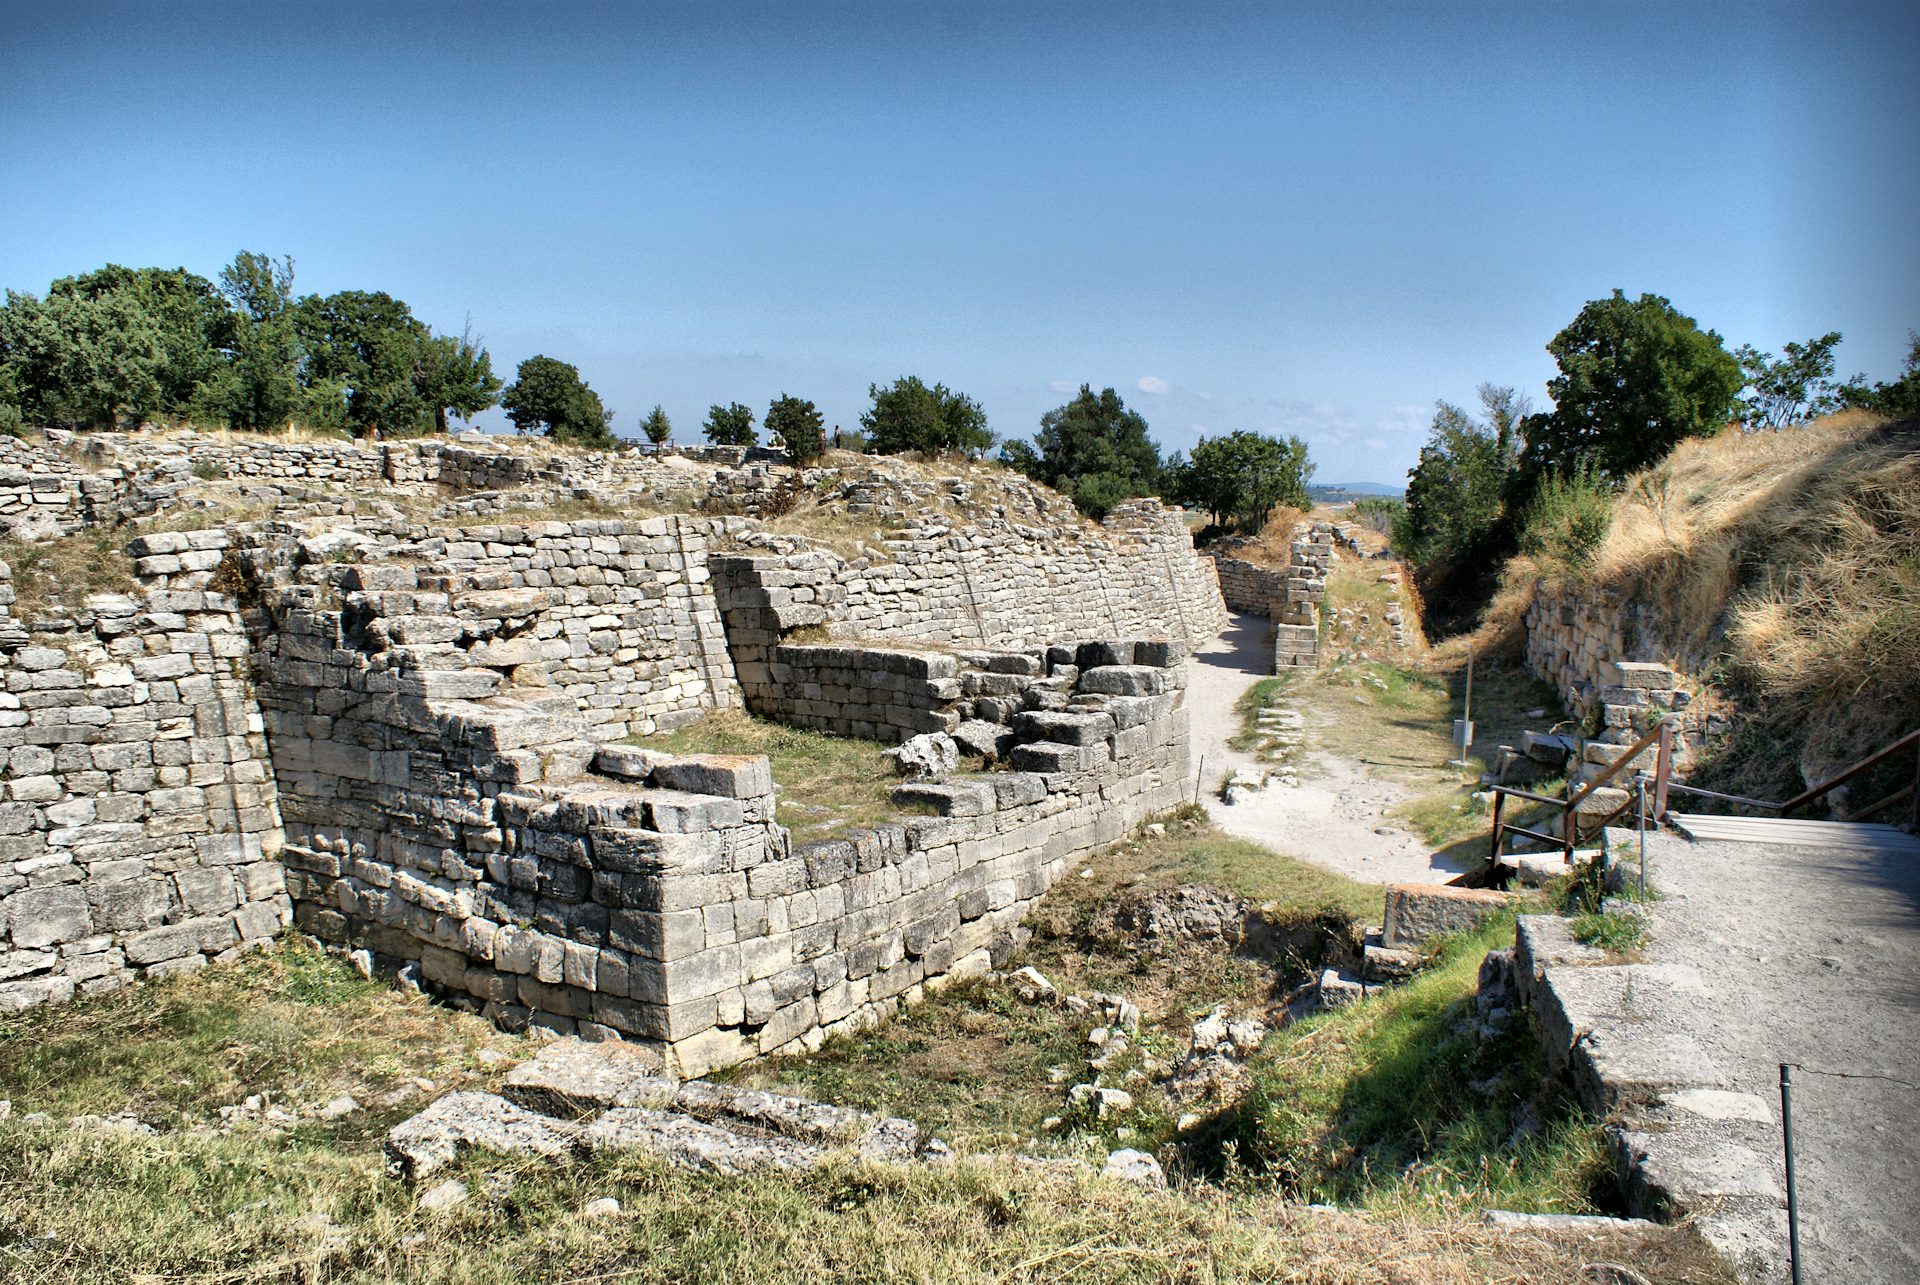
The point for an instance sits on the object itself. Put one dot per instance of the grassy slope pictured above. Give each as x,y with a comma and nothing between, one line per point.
1788,565
1374,1105
314,1204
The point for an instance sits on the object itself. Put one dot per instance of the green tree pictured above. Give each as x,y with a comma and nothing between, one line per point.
657,426
1093,449
81,361
730,425
196,326
1896,399
1636,378
909,416
262,388
800,426
456,377
1793,388
370,344
549,395
1458,493
1242,476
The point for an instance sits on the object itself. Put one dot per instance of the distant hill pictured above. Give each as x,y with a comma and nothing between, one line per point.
1337,492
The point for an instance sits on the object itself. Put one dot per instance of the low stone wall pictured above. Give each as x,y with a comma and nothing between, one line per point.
775,949
1005,586
1575,636
1685,1146
1251,588
435,815
139,834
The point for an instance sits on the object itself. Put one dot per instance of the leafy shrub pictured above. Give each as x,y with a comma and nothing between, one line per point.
209,470
12,423
1568,520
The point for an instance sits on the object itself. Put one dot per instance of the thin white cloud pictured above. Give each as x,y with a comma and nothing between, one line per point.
1153,384
1062,386
1375,444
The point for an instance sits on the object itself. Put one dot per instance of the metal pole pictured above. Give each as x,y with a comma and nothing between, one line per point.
1198,777
1793,1202
1641,782
1466,714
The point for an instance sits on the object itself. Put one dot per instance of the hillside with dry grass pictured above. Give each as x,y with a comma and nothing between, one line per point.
1782,567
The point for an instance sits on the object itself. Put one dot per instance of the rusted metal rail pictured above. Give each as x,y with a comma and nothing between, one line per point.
1568,807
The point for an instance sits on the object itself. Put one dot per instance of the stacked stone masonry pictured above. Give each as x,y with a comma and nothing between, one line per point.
1575,636
139,834
412,740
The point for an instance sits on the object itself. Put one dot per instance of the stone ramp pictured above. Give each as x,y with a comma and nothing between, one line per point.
1792,832
577,1098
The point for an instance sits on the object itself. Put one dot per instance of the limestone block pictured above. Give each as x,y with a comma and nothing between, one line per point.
1417,913
47,916
1124,680
1066,729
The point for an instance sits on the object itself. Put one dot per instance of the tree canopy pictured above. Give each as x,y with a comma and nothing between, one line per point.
1637,377
730,425
130,345
548,394
657,426
1093,449
800,426
1793,388
1458,493
909,416
1897,398
1242,476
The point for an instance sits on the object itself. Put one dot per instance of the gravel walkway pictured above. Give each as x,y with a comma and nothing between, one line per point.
1335,817
1812,956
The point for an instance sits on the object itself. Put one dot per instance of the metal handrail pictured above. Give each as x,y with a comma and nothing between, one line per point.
1873,760
1662,734
1833,783
1663,782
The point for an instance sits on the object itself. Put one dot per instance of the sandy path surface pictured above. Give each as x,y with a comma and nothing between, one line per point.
1333,817
1812,956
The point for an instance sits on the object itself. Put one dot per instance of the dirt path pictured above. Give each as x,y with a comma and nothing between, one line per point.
1335,816
1812,956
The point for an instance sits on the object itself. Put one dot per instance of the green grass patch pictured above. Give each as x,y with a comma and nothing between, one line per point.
1374,1105
969,1063
293,1023
1265,694
827,785
1208,856
87,1206
1611,930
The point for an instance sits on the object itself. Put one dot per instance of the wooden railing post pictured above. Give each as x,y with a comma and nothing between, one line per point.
1499,807
1663,771
1913,817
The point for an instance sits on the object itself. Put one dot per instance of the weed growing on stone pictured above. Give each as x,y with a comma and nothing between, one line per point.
48,574
1617,931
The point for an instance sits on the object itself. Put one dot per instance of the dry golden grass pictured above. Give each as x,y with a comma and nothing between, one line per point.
53,574
1790,558
1802,546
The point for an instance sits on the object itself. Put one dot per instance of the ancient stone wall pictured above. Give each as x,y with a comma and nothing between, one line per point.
139,834
1575,634
767,948
437,811
1250,588
432,767
992,585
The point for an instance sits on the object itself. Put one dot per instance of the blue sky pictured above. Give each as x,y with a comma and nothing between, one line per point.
1286,218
